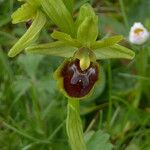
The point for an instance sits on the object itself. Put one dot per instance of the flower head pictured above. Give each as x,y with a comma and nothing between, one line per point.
138,34
76,41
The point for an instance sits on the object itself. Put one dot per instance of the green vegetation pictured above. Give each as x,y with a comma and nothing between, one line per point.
33,111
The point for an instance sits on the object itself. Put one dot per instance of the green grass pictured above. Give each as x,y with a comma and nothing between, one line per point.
32,109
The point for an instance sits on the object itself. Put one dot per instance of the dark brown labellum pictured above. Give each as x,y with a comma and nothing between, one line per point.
28,23
78,83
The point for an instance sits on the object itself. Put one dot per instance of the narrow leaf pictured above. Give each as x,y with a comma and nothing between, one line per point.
88,31
107,42
116,51
30,35
61,36
54,48
34,3
59,14
69,5
24,13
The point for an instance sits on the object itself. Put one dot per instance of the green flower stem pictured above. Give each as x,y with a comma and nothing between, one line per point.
74,126
142,62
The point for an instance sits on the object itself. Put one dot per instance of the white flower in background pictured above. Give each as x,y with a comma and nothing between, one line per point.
138,34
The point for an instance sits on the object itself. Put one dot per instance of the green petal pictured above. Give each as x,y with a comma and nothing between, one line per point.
59,14
116,51
54,48
29,36
65,38
107,42
88,31
24,13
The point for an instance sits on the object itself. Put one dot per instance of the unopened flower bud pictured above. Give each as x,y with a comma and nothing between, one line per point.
138,34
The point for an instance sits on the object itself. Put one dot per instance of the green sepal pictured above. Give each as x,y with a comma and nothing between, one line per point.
107,42
30,35
85,11
66,38
116,51
24,13
60,85
54,48
59,14
88,31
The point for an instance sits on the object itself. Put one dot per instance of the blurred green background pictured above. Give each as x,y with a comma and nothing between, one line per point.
33,111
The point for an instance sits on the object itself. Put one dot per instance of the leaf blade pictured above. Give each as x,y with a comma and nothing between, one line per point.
69,4
59,14
99,141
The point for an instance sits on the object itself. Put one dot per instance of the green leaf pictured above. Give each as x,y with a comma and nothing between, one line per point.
85,11
34,3
116,51
99,141
69,4
29,36
24,13
88,31
59,14
54,48
107,42
65,38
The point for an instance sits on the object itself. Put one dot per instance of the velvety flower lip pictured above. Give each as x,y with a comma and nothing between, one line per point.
77,83
138,34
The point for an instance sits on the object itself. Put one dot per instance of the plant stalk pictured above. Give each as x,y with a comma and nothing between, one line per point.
74,126
141,67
